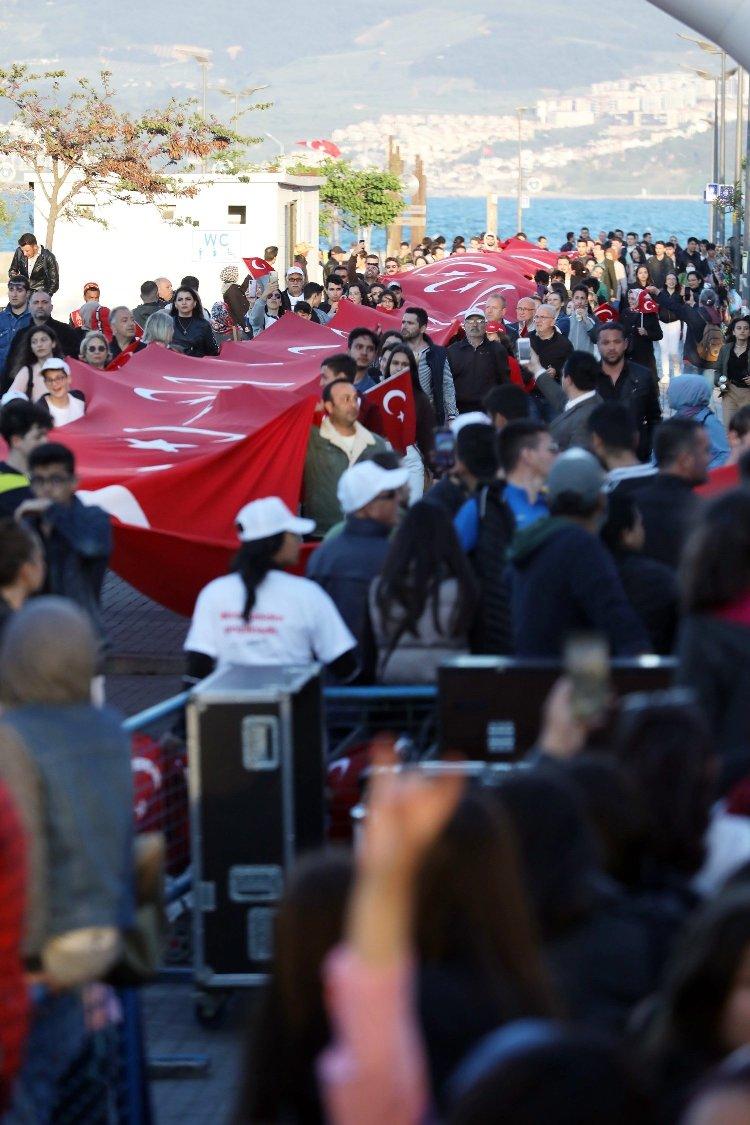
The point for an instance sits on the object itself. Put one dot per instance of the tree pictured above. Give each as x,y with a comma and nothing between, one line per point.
81,143
357,197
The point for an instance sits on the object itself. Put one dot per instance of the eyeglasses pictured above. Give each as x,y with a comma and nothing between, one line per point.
96,348
50,380
53,478
273,297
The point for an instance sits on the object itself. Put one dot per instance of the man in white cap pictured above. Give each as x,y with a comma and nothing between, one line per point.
477,364
346,564
295,283
259,614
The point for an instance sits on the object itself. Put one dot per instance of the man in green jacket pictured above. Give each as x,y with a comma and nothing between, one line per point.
341,441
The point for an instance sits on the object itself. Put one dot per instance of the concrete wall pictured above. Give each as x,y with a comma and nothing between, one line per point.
139,243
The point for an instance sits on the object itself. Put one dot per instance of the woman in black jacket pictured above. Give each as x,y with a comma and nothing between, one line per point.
641,322
192,332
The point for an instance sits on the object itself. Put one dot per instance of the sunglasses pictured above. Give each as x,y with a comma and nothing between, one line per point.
96,348
53,478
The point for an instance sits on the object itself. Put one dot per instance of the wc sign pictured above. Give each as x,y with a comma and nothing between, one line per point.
217,246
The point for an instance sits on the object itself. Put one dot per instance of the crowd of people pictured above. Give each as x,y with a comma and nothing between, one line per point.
569,943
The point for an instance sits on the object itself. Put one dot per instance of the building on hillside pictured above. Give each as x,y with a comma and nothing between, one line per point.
228,220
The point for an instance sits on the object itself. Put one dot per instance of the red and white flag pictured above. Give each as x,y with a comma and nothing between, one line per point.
258,267
328,147
393,401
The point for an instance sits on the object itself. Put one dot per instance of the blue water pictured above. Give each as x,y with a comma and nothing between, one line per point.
553,217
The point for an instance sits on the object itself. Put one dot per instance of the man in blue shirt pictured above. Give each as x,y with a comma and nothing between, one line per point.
14,318
525,453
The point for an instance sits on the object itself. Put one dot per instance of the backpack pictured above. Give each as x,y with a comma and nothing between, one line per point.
711,344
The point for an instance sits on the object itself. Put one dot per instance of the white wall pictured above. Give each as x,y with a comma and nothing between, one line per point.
139,244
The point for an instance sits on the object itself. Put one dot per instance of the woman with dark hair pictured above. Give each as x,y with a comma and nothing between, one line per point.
641,277
358,293
641,322
388,340
633,259
650,585
701,1015
291,1027
733,368
714,644
663,745
40,344
422,606
597,945
672,329
417,457
192,332
229,624
480,964
388,301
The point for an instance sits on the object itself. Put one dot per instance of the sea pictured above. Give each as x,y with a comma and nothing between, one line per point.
553,216
548,215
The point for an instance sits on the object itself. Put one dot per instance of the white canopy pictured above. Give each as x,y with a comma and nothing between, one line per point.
725,22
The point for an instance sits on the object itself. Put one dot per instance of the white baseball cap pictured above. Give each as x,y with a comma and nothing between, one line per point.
295,269
262,518
364,481
52,363
476,311
471,418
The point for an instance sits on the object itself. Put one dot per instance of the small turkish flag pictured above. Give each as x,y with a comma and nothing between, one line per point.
646,303
605,314
394,402
257,267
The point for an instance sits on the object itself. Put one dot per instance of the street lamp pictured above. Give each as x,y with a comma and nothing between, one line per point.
202,56
720,129
520,110
247,92
276,141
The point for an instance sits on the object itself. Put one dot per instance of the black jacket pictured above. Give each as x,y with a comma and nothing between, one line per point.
714,662
669,508
695,320
552,352
641,348
492,628
476,371
564,580
194,337
45,274
652,590
638,389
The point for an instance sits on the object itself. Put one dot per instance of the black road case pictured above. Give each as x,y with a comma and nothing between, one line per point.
257,771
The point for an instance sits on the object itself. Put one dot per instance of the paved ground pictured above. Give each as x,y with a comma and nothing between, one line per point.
206,1097
145,667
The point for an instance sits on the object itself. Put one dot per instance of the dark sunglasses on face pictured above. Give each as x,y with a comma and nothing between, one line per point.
96,348
53,478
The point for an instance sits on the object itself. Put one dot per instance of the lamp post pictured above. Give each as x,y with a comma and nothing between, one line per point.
720,129
520,110
247,92
276,141
201,55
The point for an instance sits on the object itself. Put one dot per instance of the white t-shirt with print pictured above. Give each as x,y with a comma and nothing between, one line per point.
293,621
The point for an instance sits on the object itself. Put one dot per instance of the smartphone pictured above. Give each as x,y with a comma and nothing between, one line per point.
524,349
445,449
586,662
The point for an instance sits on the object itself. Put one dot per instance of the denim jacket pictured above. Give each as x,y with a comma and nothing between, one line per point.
78,759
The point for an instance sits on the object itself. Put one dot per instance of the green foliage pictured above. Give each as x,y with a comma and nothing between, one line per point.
360,197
